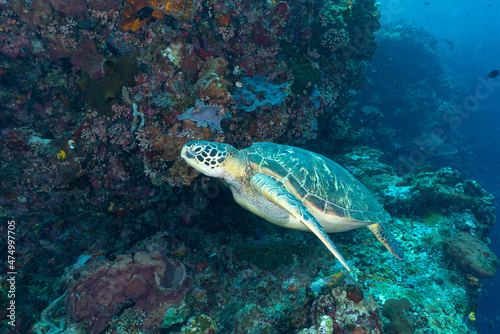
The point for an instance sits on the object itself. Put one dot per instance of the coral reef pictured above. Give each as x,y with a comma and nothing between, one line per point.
98,98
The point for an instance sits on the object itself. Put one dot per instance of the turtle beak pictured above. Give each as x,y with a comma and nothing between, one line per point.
186,153
190,159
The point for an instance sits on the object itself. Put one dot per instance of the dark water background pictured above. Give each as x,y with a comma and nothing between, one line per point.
469,48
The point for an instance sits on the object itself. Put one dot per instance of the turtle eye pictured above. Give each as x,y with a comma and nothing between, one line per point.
197,149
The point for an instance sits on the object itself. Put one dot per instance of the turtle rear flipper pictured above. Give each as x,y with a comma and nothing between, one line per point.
274,192
387,239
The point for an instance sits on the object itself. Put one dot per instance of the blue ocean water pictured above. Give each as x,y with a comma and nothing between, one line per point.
469,48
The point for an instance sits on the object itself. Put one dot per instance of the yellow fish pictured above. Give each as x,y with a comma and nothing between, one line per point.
472,316
61,155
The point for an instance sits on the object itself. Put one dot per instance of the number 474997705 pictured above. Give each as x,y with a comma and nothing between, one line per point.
11,244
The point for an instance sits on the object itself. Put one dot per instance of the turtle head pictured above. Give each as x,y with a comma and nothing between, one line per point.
207,157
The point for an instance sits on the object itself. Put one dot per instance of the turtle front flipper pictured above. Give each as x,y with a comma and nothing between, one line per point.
274,192
387,238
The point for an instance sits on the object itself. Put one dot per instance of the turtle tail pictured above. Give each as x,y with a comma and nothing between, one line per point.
387,238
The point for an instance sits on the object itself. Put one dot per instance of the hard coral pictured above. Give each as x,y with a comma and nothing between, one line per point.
447,191
472,255
96,294
394,310
211,82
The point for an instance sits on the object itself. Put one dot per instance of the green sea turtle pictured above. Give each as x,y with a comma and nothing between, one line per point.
294,188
